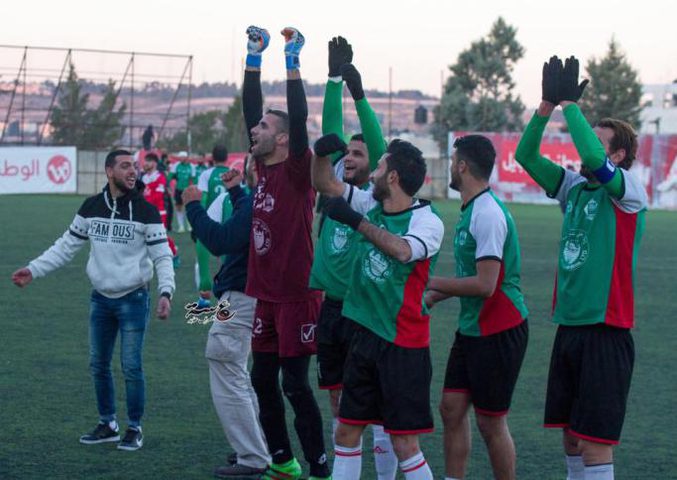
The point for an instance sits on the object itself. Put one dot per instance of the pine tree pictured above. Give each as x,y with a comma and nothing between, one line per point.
614,90
478,94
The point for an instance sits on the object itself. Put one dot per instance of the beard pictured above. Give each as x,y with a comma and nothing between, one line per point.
456,182
358,177
381,191
121,185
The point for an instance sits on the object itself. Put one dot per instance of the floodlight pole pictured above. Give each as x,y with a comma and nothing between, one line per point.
190,96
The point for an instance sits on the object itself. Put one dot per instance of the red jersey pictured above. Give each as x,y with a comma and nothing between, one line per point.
281,246
154,193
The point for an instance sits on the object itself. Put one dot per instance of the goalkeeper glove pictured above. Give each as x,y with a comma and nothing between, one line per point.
258,40
293,43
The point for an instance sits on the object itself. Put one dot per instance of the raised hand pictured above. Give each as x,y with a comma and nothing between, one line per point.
328,144
258,40
353,80
293,43
552,71
340,52
570,89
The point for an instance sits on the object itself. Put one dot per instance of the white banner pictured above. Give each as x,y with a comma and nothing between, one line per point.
38,170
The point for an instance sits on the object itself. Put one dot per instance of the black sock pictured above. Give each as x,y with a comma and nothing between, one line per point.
265,379
308,420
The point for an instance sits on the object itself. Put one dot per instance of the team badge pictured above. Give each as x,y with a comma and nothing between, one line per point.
262,236
575,250
377,266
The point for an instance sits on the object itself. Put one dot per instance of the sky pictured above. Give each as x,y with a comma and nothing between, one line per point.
417,39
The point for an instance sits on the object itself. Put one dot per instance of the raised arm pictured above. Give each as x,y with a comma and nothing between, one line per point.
321,170
369,124
544,172
296,95
252,97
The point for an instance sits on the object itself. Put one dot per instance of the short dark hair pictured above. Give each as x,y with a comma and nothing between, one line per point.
625,137
219,153
408,162
152,157
358,137
478,152
283,116
112,156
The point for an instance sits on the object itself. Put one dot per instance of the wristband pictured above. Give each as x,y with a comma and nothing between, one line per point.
292,62
253,60
167,295
606,172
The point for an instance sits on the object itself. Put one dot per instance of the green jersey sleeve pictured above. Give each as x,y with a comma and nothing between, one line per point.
371,131
544,172
332,112
590,148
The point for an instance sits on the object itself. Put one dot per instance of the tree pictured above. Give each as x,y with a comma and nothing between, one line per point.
614,90
205,130
73,123
478,94
211,127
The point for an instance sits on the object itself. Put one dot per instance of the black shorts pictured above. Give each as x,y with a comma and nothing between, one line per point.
487,368
589,380
177,196
386,384
334,332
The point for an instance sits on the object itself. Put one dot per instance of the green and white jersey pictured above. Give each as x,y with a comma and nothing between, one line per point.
385,295
210,182
598,251
183,173
199,169
333,261
486,231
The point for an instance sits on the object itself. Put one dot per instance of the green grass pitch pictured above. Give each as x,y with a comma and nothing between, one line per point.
47,397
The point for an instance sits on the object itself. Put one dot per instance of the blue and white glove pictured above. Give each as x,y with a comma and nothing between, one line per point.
259,38
293,43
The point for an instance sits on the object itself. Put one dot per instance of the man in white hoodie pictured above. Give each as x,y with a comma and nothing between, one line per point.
127,239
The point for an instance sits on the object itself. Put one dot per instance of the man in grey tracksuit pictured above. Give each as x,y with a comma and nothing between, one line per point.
127,240
229,341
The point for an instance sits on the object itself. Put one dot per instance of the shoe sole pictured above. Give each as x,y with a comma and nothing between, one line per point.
130,449
103,440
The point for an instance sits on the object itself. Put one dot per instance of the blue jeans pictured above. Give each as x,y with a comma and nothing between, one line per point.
129,315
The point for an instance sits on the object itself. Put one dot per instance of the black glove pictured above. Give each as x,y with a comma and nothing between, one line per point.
338,209
353,80
569,88
328,144
340,52
552,71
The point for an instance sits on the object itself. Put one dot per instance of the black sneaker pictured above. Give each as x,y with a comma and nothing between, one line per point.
101,434
133,440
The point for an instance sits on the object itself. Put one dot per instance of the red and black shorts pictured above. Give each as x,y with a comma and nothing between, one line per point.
589,380
288,329
386,384
487,368
334,332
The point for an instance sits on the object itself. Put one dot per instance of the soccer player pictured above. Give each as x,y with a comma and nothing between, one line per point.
388,370
332,263
127,241
184,173
229,341
211,186
604,206
491,340
154,193
280,258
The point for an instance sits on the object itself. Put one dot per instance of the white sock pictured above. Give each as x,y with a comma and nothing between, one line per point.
334,425
416,468
347,463
599,472
113,425
384,456
181,219
574,467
